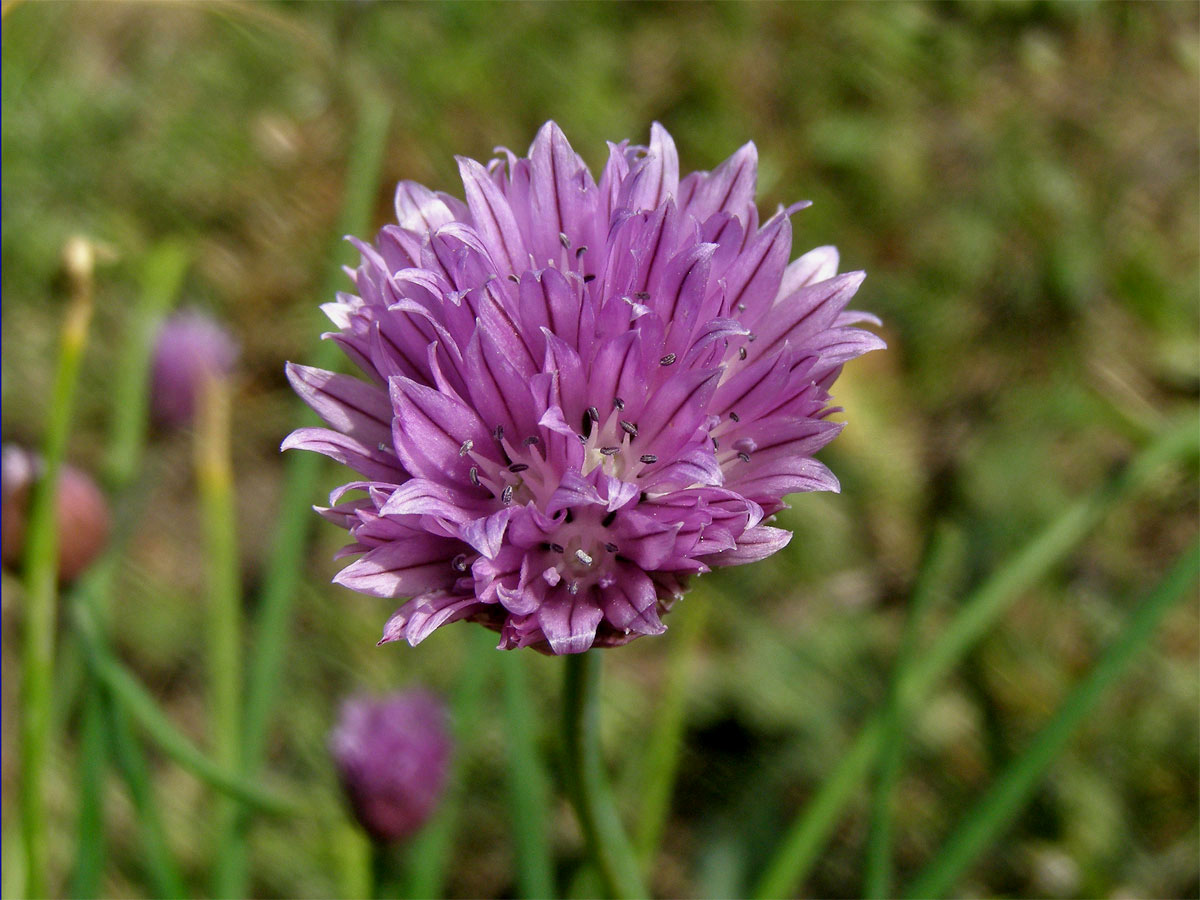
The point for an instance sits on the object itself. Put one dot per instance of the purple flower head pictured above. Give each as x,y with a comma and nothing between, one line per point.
392,754
580,391
191,347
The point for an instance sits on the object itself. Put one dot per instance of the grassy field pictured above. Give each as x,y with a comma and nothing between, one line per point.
1020,181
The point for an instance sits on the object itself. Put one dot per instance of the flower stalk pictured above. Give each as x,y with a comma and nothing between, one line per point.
41,571
214,477
607,844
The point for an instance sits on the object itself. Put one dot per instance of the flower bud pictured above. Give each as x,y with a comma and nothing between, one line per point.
83,517
191,347
392,754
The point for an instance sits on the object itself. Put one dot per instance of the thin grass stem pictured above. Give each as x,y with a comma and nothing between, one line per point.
804,840
666,738
214,480
133,697
162,274
930,578
93,766
286,563
429,854
41,571
1007,795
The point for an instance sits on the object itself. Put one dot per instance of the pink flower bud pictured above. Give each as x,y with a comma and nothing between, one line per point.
84,521
392,754
191,347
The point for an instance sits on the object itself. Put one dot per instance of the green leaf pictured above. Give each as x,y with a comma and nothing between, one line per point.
803,842
1007,795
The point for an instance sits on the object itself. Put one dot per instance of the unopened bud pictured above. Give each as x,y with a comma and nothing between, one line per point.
393,754
84,521
191,348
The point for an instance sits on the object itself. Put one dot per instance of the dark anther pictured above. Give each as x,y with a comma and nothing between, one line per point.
514,278
531,440
588,279
618,403
582,438
609,519
582,250
610,451
751,337
460,563
630,428
383,448
641,295
506,495
573,588
741,307
564,240
741,352
518,467
498,434
593,413
716,444
557,548
610,547
743,456
667,360
466,447
474,473
648,458
734,416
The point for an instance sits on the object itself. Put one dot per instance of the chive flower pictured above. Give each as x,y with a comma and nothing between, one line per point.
84,520
579,392
392,755
191,347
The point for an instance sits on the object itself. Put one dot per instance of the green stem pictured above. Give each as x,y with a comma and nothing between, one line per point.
214,478
878,881
587,784
527,783
93,765
162,274
162,872
134,699
41,573
802,845
428,853
662,755
286,564
1006,796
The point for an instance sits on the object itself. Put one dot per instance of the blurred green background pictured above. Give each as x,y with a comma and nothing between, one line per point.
1018,179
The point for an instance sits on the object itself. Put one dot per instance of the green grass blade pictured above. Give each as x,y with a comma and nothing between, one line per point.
134,699
41,571
93,766
662,755
932,575
162,873
286,564
430,850
806,837
162,274
214,480
1007,795
528,785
